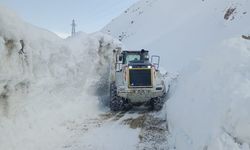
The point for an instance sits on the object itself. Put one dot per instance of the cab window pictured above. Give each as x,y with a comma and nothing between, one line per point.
132,57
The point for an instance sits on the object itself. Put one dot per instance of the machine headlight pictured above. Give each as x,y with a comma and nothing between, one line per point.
149,67
130,67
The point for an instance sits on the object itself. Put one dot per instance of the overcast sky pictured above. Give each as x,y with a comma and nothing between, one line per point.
56,15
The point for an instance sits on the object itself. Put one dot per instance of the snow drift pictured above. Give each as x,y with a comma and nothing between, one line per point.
210,107
44,83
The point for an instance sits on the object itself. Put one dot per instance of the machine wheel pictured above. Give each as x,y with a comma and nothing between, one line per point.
157,103
117,103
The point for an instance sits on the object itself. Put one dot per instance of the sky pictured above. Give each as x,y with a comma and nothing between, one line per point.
57,15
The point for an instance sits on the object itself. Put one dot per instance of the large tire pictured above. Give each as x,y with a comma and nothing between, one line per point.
158,102
117,103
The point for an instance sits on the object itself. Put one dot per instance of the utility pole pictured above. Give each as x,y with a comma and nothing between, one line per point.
73,32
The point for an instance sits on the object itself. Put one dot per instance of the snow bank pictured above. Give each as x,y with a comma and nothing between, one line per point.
44,83
210,107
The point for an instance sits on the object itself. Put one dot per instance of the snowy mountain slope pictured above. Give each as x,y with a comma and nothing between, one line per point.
178,30
208,106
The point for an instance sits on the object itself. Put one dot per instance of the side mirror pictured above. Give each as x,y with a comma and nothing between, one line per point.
120,58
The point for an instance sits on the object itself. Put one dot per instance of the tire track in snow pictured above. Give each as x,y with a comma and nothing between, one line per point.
152,135
78,130
153,131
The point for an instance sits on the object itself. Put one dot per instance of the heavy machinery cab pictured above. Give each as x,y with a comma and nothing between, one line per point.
137,59
129,57
137,70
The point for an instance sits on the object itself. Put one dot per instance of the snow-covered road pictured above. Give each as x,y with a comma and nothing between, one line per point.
133,130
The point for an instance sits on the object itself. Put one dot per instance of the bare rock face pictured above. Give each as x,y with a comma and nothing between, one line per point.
247,37
229,13
4,95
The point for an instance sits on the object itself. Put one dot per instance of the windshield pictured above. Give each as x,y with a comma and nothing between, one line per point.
132,57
